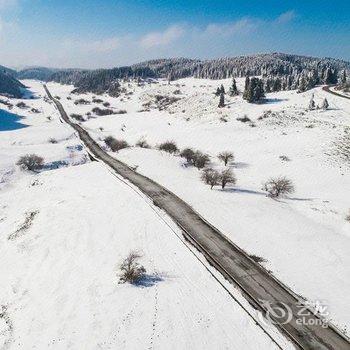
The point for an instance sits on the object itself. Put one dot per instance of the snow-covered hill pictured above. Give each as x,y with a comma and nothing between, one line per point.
64,232
304,238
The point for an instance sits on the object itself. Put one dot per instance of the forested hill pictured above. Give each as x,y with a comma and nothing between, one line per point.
9,86
279,71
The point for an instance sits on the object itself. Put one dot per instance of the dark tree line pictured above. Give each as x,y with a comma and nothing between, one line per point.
278,72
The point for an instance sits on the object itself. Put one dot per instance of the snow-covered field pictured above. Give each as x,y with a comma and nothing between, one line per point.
64,231
305,238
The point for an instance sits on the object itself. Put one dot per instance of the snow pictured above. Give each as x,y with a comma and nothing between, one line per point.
59,274
304,238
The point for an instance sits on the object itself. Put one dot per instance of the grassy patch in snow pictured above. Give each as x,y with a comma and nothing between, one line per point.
28,221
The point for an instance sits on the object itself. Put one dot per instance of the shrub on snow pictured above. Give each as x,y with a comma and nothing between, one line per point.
131,270
200,160
188,154
226,157
142,143
31,162
114,144
278,186
347,218
168,146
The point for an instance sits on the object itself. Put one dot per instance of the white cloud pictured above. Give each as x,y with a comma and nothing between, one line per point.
243,25
162,38
285,17
99,46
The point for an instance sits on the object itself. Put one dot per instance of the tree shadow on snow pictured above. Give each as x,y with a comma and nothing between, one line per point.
242,190
149,280
239,165
55,165
299,199
274,100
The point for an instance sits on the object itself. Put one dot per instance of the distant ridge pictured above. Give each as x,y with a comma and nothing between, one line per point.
280,71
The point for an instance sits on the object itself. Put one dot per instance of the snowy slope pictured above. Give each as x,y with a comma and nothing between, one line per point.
60,274
305,238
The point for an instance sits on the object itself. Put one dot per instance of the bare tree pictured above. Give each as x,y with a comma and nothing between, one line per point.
226,157
347,218
131,270
211,177
227,177
278,186
31,162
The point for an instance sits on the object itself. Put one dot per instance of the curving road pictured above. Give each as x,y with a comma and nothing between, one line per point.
326,88
260,288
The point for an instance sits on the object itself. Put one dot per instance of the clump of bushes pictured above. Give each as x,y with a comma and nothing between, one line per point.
97,100
21,105
200,160
106,104
114,144
77,117
31,162
188,154
347,218
120,111
168,146
35,110
195,158
100,111
276,187
52,140
142,143
244,119
81,101
226,157
6,103
131,270
284,158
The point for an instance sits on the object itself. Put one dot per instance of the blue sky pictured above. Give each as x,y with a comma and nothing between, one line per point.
106,33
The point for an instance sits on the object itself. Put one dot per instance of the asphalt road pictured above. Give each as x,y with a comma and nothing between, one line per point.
326,88
258,286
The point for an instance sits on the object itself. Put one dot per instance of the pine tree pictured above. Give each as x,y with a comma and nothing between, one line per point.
246,84
312,103
343,79
302,86
222,89
325,104
233,88
330,76
222,100
254,91
218,92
